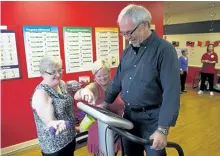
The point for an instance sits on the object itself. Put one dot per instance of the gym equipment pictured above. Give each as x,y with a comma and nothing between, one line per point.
197,81
110,124
217,84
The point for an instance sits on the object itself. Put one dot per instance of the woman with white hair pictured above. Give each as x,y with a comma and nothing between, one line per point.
101,72
52,106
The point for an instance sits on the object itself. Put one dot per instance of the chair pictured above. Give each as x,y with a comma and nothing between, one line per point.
196,79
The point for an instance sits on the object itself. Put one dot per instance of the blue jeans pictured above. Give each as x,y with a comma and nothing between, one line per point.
145,124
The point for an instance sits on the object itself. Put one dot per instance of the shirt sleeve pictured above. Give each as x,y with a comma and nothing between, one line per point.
203,57
114,87
216,57
170,81
180,62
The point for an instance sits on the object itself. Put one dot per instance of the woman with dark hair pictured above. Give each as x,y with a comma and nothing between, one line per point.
209,59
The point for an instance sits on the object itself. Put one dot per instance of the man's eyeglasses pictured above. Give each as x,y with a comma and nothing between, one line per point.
54,72
132,31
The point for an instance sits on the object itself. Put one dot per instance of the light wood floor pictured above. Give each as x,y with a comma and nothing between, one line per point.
197,129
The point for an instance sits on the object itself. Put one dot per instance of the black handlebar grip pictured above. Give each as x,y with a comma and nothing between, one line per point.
142,141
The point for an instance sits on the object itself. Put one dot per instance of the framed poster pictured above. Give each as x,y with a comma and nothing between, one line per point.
39,41
9,55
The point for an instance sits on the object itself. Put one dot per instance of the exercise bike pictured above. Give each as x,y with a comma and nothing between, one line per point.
110,124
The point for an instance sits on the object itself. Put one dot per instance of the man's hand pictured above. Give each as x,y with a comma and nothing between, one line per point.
159,140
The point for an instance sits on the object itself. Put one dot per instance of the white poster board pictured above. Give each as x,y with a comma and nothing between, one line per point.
9,55
107,45
39,41
78,49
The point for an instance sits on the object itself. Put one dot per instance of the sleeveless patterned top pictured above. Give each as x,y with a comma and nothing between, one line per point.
63,110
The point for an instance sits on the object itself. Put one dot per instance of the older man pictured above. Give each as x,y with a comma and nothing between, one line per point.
148,80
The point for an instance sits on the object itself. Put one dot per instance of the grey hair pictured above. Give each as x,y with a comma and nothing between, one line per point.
48,63
184,50
137,14
100,64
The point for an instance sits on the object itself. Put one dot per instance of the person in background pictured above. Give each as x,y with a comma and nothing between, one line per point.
183,63
209,59
101,72
52,105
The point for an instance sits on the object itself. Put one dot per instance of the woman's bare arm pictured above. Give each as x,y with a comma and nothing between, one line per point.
90,89
42,103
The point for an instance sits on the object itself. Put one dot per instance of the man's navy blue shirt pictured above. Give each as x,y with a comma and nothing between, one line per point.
149,75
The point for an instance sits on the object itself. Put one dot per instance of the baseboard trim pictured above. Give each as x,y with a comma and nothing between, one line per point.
7,151
19,147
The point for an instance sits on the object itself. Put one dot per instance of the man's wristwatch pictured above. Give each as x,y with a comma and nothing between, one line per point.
163,130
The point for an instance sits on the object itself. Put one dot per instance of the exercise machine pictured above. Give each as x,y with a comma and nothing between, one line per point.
217,84
197,81
110,124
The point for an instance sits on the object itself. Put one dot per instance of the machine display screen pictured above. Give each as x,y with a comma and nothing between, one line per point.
105,111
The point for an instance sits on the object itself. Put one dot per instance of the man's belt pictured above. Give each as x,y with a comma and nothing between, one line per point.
141,109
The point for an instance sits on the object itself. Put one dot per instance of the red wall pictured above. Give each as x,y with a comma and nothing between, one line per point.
17,118
191,73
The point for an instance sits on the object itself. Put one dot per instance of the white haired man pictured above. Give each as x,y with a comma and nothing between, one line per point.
148,80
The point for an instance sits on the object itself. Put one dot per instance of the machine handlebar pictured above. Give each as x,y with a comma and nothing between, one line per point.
142,141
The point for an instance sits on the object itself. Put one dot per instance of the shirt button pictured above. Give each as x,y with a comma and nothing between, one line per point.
135,65
127,91
130,78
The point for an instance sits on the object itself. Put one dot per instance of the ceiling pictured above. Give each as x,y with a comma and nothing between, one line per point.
172,7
